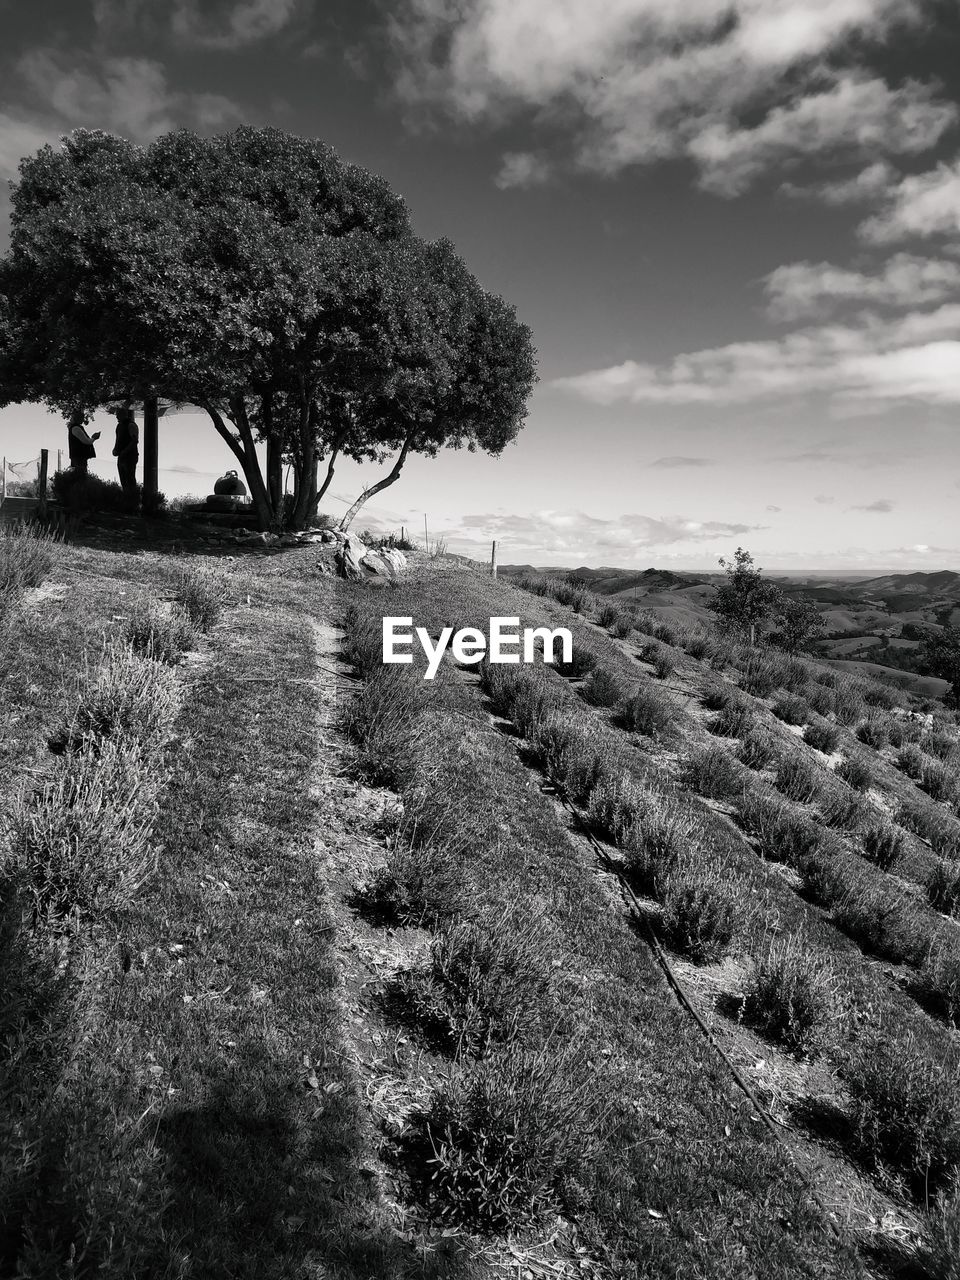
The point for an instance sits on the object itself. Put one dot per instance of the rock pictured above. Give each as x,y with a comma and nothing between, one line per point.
349,559
396,559
377,563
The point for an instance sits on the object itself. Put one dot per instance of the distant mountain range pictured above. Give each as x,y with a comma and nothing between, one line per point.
876,621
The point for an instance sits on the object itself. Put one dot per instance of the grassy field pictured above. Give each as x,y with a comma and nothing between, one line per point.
314,968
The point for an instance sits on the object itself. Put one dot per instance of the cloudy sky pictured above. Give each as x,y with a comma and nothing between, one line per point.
733,226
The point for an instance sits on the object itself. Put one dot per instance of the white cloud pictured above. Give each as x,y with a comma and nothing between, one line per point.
676,461
912,358
924,204
522,169
882,506
128,96
905,280
636,81
225,25
876,180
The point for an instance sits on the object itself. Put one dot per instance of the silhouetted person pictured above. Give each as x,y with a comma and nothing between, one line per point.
127,451
79,442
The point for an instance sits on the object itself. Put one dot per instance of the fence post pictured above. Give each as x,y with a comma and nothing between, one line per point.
3,481
426,537
493,560
151,420
42,486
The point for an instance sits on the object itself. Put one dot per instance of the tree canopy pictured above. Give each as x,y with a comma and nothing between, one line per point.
259,277
939,656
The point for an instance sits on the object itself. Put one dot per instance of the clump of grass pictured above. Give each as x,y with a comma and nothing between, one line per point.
792,994
82,846
614,805
162,636
649,712
819,699
791,709
755,750
883,845
856,773
664,664
493,1152
943,887
822,736
603,688
906,1104
703,912
874,732
567,593
796,779
713,771
698,646
795,676
939,781
941,745
25,561
878,695
572,757
485,981
199,592
607,613
901,731
782,833
717,696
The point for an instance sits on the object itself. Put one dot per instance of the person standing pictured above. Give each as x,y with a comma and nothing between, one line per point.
79,443
127,451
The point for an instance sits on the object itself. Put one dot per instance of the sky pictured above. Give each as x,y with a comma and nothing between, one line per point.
732,225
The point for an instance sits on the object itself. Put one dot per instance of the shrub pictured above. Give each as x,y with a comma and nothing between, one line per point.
782,833
941,745
122,695
791,710
792,994
900,732
823,878
931,824
664,664
911,761
906,1102
494,1151
881,922
656,836
755,750
717,696
796,779
883,845
381,719
573,758
735,720
485,981
819,699
699,647
759,677
943,887
878,695
847,704
421,883
200,593
842,810
712,771
581,661
82,845
795,676
25,560
939,982
607,613
942,1252
822,736
939,781
873,733
649,711
703,912
162,636
602,688
614,805
622,626
855,773
81,491
573,597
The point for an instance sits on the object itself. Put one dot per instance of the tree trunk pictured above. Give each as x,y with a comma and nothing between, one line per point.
275,475
244,450
380,485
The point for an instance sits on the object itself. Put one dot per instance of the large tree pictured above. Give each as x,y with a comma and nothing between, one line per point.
259,277
939,655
